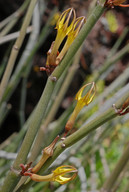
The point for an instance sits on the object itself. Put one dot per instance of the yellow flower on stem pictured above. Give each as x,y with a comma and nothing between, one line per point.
71,36
60,175
81,102
67,27
63,29
112,3
47,152
63,26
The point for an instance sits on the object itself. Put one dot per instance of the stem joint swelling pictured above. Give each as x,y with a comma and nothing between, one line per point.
53,79
124,109
15,47
15,171
98,2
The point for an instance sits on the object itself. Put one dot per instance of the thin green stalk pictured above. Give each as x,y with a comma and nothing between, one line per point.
31,42
4,61
111,58
37,116
104,161
56,127
45,121
39,187
111,61
126,188
22,102
118,43
25,61
56,92
15,79
115,85
107,187
17,14
62,87
4,110
8,27
121,177
13,36
63,90
91,6
81,133
16,49
68,78
87,147
7,141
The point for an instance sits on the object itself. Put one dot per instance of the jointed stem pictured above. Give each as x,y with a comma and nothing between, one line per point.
16,49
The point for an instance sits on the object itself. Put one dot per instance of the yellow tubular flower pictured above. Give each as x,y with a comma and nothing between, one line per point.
71,36
63,29
81,102
59,175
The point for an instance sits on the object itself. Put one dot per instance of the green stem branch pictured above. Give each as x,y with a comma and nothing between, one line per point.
16,48
81,133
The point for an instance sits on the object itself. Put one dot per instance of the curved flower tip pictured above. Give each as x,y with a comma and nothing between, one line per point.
60,175
88,97
112,3
67,27
71,36
78,24
64,20
81,102
64,26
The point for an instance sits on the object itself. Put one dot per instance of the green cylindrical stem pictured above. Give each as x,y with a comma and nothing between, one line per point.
107,187
15,50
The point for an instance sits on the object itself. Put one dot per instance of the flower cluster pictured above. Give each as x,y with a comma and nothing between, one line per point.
68,26
112,3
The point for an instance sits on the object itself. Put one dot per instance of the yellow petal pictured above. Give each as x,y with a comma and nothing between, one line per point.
88,97
63,180
79,21
64,169
71,36
63,22
60,174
